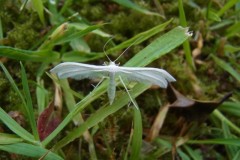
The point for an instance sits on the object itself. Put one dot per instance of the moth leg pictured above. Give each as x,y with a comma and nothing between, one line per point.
134,103
98,83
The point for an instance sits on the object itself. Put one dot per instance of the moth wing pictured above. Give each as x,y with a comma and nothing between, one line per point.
146,75
79,71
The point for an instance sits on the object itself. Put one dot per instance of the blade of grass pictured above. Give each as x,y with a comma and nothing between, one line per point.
186,45
228,5
30,151
156,49
137,135
130,4
41,94
231,108
69,99
9,138
24,3
82,26
221,117
231,150
26,55
193,154
15,127
225,66
65,33
29,106
67,4
159,47
128,147
15,88
183,155
223,23
233,30
237,156
38,6
1,29
165,146
231,49
211,14
235,142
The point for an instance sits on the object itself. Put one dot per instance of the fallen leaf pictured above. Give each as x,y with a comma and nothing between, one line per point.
187,113
47,121
190,109
50,118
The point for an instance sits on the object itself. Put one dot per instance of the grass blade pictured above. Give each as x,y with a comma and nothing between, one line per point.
41,94
225,66
232,108
14,86
221,117
183,155
230,150
29,106
26,55
137,135
38,6
228,5
15,127
159,47
193,154
9,138
1,29
30,151
233,30
130,4
235,142
237,156
66,32
186,45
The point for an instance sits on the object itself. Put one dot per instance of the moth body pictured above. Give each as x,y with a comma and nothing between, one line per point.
111,87
112,67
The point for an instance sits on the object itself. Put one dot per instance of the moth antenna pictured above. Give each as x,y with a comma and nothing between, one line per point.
105,47
127,48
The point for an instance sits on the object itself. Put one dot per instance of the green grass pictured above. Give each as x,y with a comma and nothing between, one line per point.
90,127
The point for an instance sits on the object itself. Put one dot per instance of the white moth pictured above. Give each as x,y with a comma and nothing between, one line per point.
145,75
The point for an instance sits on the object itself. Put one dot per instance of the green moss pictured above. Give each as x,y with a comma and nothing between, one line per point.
21,29
125,23
9,98
22,36
93,12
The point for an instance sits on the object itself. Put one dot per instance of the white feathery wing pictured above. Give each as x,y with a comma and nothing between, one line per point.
140,74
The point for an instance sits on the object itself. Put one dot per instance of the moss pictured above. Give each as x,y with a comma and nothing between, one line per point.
21,29
10,99
22,36
125,23
93,12
122,21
